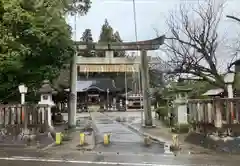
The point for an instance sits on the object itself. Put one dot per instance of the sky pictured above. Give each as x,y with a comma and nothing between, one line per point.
151,17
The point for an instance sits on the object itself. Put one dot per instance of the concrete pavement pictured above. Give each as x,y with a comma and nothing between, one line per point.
122,139
159,133
119,133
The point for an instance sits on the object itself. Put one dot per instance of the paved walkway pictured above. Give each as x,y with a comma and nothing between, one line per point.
123,139
119,133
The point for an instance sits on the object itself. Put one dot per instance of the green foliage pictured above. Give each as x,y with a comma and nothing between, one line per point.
35,41
76,6
181,128
87,37
156,78
163,111
107,35
237,81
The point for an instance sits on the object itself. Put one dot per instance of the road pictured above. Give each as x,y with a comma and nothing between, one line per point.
92,159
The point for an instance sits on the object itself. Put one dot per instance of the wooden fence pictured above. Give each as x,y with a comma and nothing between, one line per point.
15,118
217,113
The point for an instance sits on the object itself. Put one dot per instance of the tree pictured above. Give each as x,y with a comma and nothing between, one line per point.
117,38
76,6
107,35
35,42
87,37
194,41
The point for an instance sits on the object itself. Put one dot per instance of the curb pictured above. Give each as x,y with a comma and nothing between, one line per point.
95,129
160,140
47,147
5,145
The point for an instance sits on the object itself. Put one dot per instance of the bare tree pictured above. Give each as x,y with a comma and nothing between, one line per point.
194,41
237,45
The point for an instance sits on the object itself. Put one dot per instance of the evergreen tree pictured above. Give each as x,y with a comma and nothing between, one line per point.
107,35
87,37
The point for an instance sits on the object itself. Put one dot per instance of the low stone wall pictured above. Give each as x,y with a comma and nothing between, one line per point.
218,144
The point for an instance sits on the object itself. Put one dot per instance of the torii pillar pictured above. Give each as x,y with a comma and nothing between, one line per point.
73,93
145,88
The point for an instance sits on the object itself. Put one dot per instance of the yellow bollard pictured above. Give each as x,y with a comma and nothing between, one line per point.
82,139
175,140
106,139
58,138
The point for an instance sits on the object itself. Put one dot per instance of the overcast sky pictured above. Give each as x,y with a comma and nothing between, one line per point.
151,14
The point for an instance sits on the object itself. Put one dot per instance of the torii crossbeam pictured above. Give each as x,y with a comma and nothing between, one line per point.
152,44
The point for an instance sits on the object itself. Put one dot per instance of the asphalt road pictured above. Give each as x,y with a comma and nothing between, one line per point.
124,160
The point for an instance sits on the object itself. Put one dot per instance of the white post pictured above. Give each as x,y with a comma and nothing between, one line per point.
22,98
108,108
230,90
126,98
49,116
209,112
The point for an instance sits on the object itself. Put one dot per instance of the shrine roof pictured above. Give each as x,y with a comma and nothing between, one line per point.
101,84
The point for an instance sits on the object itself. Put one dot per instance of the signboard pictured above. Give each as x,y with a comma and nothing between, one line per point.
107,68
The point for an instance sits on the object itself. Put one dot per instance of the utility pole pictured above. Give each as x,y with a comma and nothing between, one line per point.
145,88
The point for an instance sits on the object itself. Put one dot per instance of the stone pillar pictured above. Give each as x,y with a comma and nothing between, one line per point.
109,54
230,110
181,109
209,112
46,92
73,94
145,87
218,116
230,90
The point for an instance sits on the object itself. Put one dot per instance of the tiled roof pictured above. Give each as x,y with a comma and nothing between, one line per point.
100,84
213,92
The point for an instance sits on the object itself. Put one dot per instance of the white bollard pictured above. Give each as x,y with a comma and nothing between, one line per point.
167,148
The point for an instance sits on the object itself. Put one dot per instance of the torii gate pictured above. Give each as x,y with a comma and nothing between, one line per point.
109,63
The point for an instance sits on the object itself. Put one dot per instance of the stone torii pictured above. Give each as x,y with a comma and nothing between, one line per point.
114,64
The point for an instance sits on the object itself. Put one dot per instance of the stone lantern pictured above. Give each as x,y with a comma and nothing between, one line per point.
46,92
180,103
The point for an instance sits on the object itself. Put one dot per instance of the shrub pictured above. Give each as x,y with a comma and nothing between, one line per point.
181,128
162,111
